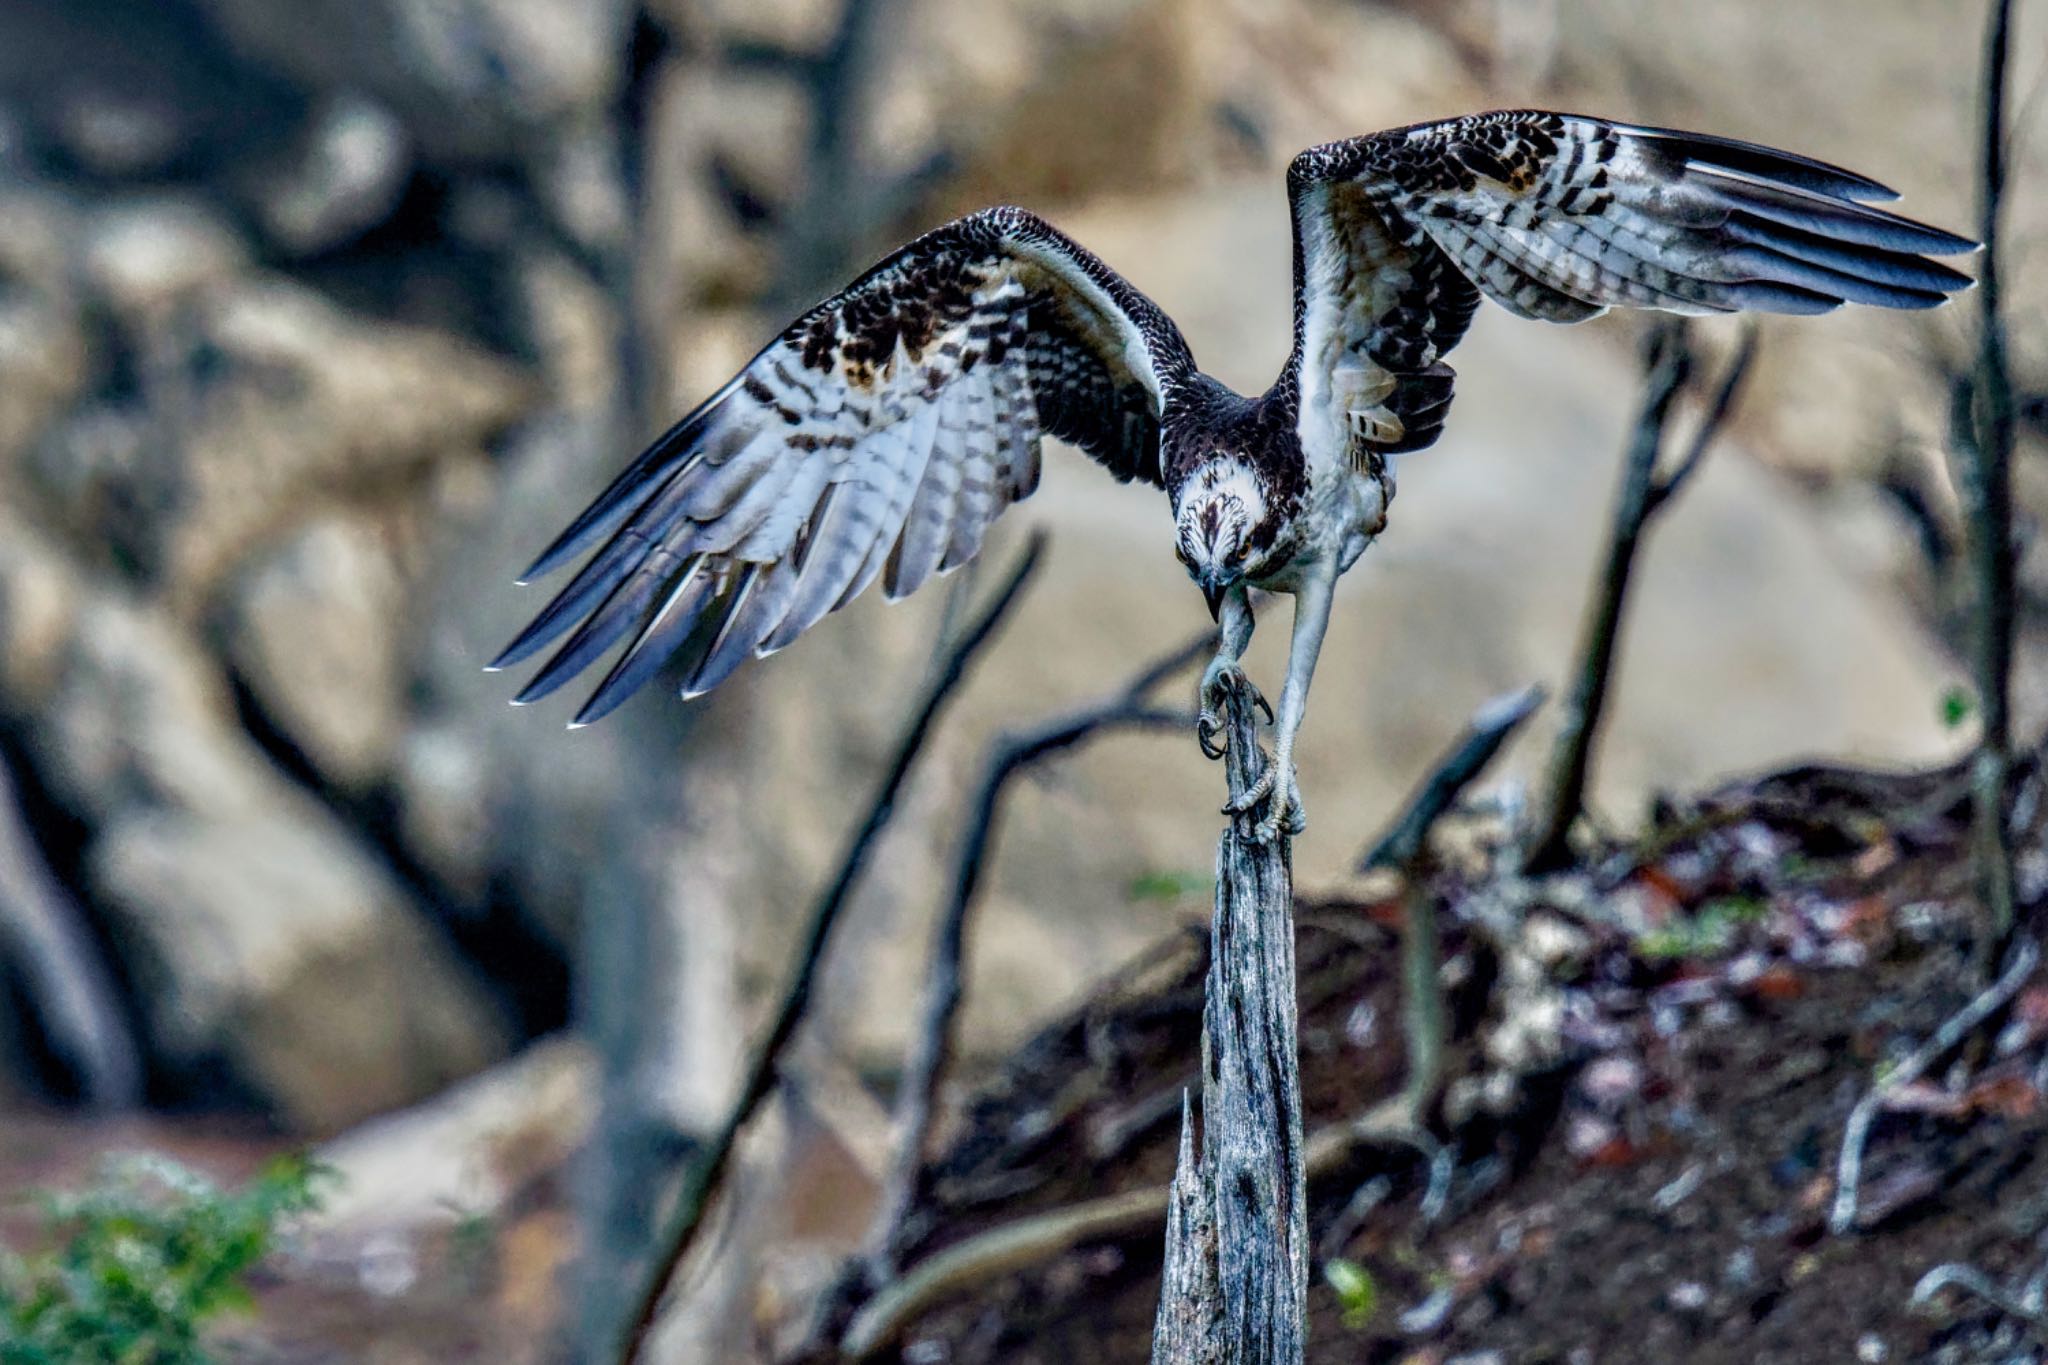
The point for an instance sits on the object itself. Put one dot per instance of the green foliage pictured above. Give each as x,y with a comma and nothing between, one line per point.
1706,933
1170,885
1956,705
136,1265
1356,1290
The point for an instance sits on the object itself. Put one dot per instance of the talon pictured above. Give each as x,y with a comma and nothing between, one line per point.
1222,677
1283,802
1255,793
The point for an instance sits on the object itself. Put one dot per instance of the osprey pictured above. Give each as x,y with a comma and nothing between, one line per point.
883,431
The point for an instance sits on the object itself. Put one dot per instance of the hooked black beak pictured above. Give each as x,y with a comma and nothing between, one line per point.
1214,592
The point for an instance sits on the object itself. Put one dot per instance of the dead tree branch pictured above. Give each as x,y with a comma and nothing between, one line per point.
1038,1237
1642,496
931,1048
1491,727
2026,955
1236,1277
1987,441
68,984
1405,848
2024,1303
708,1173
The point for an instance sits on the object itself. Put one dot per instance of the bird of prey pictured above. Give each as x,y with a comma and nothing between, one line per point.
884,430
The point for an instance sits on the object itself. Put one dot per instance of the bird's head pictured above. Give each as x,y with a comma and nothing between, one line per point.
1217,515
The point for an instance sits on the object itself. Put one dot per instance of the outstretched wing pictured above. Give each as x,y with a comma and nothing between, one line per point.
1561,217
880,434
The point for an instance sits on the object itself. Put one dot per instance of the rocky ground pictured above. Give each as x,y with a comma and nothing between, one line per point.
1655,1058
1643,1122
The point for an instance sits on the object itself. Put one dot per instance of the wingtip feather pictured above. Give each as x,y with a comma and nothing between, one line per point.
1805,173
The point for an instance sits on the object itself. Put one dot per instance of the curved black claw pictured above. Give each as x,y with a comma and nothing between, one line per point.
1222,676
1255,793
1275,786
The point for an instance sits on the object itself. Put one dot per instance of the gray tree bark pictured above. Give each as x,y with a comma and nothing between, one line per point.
72,993
1236,1277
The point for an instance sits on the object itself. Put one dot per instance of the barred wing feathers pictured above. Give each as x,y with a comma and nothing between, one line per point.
878,436
1561,217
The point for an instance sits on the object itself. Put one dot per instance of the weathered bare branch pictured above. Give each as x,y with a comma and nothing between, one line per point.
931,1047
708,1173
2025,956
1236,1278
1405,848
1491,726
1642,496
2025,1304
1718,409
68,984
1038,1237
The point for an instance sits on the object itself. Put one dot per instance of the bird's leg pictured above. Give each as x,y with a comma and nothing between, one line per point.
1276,786
1223,673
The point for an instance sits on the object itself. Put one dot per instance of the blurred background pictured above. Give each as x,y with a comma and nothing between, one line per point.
317,320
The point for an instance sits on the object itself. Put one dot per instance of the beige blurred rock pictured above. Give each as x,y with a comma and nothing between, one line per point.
344,178
702,116
42,335
140,256
441,776
275,944
315,631
120,133
307,402
472,80
268,939
467,1151
579,177
574,330
39,595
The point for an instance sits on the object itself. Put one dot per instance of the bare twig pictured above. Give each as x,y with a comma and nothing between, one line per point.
1405,848
1000,1250
1642,496
1038,1237
2026,954
1491,726
1716,416
2024,1305
709,1171
1988,460
931,1047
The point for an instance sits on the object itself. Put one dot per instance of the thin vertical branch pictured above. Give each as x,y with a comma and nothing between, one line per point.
1236,1278
625,939
931,1047
708,1173
45,944
1405,848
1641,498
1989,462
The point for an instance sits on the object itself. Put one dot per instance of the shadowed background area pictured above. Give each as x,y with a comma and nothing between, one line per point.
316,322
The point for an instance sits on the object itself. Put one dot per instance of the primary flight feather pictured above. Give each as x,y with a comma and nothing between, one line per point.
883,431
